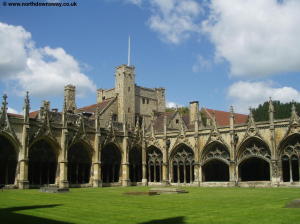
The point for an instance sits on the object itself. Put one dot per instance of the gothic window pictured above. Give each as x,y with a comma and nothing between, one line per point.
143,100
154,164
182,161
128,89
147,101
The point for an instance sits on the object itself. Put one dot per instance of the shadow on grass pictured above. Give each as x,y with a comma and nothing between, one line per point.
9,216
175,220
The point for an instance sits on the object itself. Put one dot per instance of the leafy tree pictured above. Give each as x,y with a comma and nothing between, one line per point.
281,110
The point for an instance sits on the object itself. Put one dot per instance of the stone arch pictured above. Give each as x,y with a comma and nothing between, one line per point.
215,159
111,156
42,165
253,158
135,164
79,162
8,159
182,160
154,164
289,154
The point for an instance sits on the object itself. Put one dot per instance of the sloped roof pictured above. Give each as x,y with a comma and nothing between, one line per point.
222,117
92,108
15,115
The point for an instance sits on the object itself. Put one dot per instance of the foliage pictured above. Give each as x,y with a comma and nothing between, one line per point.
282,110
110,205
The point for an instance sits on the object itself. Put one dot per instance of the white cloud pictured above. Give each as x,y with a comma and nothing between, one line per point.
201,64
256,37
173,20
12,110
170,104
42,71
245,94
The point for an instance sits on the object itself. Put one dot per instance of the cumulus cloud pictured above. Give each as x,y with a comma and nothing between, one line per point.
173,20
12,110
245,94
171,104
256,37
42,71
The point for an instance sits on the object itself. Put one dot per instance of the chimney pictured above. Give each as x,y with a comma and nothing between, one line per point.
194,111
70,98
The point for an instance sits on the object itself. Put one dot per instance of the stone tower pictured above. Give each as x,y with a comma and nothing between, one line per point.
125,89
69,98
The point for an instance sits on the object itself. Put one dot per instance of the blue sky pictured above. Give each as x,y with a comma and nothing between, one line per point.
221,53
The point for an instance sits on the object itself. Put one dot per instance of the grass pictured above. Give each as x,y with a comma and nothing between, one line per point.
110,205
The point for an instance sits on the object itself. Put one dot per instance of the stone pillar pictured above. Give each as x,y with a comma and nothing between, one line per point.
144,164
165,168
232,172
23,162
274,172
97,181
125,163
63,163
200,178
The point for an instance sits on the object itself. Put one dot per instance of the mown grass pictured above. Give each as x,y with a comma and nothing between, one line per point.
110,205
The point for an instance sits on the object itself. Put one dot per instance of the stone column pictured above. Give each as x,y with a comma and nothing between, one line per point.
125,162
63,162
165,167
144,164
200,179
97,180
232,172
23,162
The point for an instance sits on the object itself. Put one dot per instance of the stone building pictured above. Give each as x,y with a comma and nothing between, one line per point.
128,138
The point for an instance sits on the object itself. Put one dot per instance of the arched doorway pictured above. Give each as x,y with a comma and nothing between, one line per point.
215,160
182,160
254,169
79,164
154,164
42,165
290,158
110,163
254,161
8,161
135,165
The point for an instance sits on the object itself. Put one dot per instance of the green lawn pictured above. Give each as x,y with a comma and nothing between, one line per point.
110,205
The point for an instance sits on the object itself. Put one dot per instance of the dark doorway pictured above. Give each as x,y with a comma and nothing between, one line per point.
215,170
42,164
254,169
135,165
79,164
285,163
8,162
110,163
295,168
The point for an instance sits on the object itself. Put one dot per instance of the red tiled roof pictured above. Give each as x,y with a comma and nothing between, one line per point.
222,117
33,114
92,108
15,115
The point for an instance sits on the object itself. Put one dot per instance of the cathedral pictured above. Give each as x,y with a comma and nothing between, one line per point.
129,138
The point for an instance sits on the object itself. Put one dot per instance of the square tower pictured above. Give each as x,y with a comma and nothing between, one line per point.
125,90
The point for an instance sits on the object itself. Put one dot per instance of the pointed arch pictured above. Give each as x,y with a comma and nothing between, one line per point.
253,157
79,157
180,144
50,140
182,162
289,154
111,156
8,159
215,158
154,164
42,165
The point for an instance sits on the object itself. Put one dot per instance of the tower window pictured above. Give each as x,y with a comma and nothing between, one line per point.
147,101
177,121
128,89
143,100
128,109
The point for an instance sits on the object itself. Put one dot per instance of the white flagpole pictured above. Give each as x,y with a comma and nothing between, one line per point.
128,63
